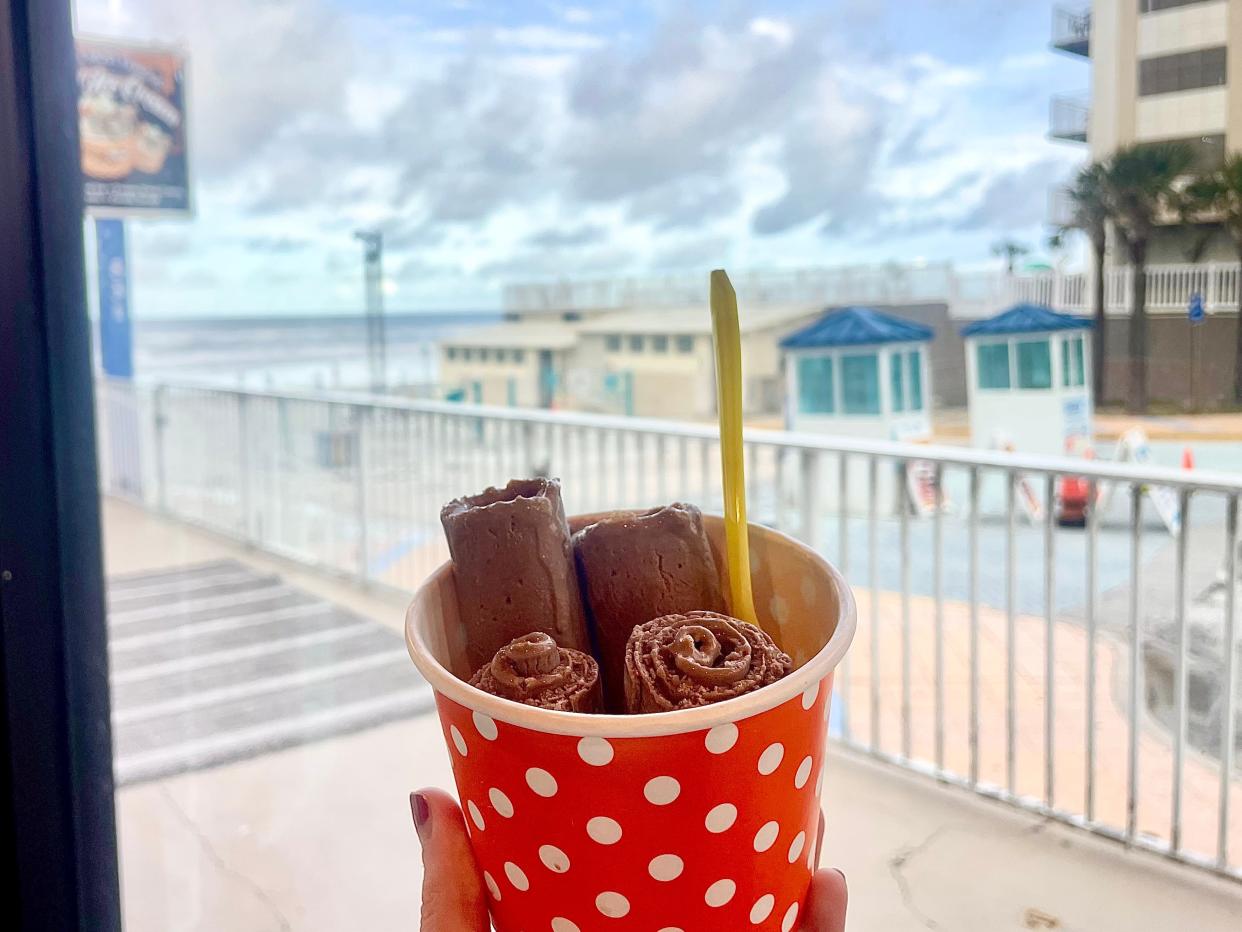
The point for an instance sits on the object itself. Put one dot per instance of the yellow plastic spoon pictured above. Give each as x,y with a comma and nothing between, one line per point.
728,341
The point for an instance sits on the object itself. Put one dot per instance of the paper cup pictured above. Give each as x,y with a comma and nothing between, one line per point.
697,819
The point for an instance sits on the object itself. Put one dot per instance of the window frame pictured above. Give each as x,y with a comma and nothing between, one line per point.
1016,363
874,357
800,365
980,346
56,795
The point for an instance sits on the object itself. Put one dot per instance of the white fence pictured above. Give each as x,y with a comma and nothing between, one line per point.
1169,288
1087,674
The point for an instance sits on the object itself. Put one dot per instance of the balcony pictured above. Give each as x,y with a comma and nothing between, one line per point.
1060,207
1071,30
1068,118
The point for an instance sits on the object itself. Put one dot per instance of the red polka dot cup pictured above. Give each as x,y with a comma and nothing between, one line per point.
699,819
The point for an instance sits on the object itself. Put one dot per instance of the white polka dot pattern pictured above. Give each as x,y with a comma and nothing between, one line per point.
721,738
475,815
614,905
791,916
458,741
541,782
666,867
721,818
492,887
485,726
560,924
604,830
762,909
554,859
771,758
595,751
516,876
795,849
660,791
720,893
500,802
810,695
765,838
804,772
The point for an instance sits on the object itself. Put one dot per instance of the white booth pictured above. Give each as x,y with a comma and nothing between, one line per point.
859,373
1028,372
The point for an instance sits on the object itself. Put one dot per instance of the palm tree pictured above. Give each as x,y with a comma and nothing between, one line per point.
1011,251
1089,215
1217,196
1139,184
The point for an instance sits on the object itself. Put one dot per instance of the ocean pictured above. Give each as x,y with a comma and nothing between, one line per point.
303,351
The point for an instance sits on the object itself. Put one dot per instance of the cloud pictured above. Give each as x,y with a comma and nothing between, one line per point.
1016,199
276,245
554,238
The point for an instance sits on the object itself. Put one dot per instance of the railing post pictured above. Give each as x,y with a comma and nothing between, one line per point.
1213,291
361,418
159,422
243,463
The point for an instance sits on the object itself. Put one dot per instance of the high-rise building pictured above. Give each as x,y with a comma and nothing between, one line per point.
1160,70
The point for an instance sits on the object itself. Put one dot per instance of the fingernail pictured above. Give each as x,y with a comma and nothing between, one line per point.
840,873
421,812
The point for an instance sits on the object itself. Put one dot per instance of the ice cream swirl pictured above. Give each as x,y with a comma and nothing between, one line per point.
533,670
682,661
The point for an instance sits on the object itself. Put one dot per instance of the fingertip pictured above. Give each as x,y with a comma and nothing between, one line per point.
826,902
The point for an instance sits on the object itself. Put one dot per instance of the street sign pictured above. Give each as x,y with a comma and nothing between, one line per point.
1195,310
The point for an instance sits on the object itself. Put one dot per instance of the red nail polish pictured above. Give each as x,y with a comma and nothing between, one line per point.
420,810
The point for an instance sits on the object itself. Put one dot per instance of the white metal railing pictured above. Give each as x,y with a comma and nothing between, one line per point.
1069,117
1169,288
997,649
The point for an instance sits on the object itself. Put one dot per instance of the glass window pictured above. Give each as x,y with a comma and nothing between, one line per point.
897,382
636,343
1152,6
502,355
451,352
467,354
659,344
612,343
915,360
816,393
519,356
685,344
1080,362
1065,361
860,384
485,355
1182,71
992,360
1034,364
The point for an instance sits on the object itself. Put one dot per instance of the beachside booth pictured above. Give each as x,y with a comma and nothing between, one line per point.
1029,380
860,373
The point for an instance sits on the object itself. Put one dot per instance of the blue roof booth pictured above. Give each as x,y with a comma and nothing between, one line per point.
1028,372
861,373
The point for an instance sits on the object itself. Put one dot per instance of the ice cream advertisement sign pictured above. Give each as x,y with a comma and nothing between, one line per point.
132,124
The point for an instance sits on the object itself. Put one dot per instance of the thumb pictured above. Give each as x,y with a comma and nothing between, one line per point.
453,898
825,905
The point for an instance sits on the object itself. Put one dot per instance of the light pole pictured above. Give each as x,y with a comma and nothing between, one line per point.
373,278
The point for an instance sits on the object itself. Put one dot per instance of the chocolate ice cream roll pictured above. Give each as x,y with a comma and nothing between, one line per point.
635,567
697,658
533,670
513,568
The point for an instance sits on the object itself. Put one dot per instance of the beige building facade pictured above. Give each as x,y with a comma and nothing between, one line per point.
1160,70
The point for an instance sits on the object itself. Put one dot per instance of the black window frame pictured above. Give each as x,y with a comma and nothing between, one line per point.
57,817
1156,6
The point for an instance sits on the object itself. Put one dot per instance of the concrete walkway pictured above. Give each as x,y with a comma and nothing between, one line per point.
318,836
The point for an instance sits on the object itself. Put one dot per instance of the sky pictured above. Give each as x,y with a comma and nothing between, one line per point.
497,142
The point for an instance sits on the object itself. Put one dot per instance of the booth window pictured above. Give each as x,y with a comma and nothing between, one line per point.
519,356
636,344
685,344
993,365
816,394
659,344
860,384
451,352
612,343
1034,364
897,382
1073,372
915,359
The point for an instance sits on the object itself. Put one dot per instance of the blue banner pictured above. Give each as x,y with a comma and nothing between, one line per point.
115,336
1195,309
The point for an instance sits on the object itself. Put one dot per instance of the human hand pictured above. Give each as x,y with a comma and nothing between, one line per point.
453,895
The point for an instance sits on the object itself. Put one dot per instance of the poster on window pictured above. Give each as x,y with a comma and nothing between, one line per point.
132,124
